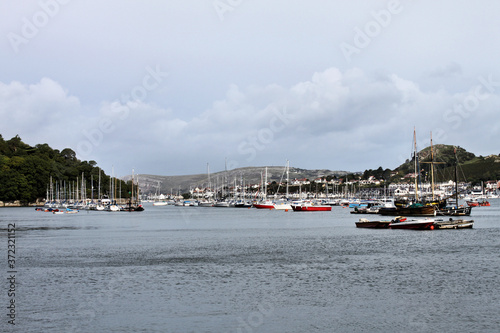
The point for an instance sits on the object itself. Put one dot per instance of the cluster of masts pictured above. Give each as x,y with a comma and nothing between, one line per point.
74,195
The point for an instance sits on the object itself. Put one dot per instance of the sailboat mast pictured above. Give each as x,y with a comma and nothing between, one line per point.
416,158
132,189
432,169
265,185
99,186
287,176
456,176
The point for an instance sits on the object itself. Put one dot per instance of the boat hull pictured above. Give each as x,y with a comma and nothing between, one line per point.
373,224
263,206
454,211
283,206
408,211
306,208
413,225
454,224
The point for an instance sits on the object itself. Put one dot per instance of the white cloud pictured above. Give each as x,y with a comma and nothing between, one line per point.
339,120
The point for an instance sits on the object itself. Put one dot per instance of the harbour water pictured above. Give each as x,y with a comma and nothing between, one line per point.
194,269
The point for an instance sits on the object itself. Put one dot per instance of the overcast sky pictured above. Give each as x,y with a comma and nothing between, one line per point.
165,87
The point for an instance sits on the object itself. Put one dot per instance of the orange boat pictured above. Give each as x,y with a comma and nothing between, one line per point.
477,203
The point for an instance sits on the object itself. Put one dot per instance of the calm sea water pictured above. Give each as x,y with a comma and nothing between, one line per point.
194,269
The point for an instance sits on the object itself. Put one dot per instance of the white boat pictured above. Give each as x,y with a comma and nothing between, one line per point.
112,208
206,203
282,205
221,204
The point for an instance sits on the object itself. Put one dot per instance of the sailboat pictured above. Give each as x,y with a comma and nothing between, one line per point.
207,202
417,208
242,202
284,204
455,210
264,203
133,206
157,201
223,203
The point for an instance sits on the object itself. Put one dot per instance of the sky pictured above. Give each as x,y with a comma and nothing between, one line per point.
167,87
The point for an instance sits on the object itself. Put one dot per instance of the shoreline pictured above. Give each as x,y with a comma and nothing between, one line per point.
18,203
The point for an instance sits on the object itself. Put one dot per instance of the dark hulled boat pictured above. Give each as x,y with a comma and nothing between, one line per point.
410,210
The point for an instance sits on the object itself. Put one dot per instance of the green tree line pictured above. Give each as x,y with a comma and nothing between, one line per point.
26,171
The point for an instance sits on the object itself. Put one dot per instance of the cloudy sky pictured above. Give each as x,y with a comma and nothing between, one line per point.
165,87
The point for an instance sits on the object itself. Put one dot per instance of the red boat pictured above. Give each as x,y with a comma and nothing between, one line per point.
311,208
267,204
477,203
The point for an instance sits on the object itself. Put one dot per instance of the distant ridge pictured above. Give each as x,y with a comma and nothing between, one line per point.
473,169
250,175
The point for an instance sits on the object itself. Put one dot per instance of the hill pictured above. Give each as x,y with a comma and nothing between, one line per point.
470,167
249,175
25,171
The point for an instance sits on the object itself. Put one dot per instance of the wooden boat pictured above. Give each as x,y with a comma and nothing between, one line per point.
411,210
365,223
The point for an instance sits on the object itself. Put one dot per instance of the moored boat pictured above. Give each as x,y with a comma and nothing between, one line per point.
310,207
365,223
454,211
478,203
411,210
242,204
283,205
454,224
426,224
266,204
